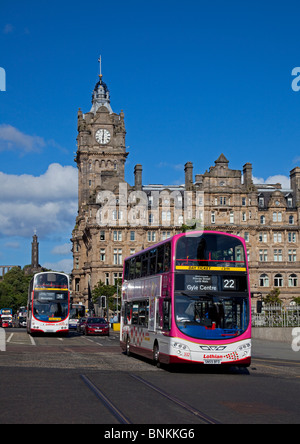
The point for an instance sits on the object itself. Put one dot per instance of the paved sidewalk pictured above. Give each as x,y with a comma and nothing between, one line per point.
274,350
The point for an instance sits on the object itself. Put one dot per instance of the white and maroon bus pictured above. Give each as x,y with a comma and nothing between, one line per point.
187,300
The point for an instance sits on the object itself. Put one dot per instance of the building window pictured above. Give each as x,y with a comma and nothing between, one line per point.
243,201
244,217
261,202
263,255
213,217
166,235
151,218
264,280
132,236
247,236
277,237
293,281
151,235
231,217
180,220
291,220
117,236
77,284
106,278
292,257
278,280
102,235
262,220
117,256
292,237
263,237
277,255
102,255
117,276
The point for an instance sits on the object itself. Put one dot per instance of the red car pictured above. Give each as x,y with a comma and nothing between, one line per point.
96,326
5,324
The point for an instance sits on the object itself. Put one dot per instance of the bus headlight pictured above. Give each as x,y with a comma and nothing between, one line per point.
180,347
244,349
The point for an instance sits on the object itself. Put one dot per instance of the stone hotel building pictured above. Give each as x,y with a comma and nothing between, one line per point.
116,219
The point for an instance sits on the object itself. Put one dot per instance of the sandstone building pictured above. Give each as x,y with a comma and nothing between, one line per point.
116,219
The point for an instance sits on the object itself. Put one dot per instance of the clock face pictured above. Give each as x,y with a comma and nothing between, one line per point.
102,136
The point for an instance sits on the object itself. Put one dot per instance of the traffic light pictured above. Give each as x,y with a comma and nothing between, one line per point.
103,301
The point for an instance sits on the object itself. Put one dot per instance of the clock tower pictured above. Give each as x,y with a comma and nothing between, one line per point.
101,153
100,158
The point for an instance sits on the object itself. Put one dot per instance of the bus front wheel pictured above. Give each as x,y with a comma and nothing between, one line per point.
156,355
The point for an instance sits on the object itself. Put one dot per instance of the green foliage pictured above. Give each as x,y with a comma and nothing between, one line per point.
14,289
273,297
110,291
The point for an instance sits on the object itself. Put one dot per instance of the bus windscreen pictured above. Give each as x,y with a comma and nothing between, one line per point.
210,250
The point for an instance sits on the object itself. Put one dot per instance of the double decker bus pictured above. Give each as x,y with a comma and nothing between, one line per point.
6,315
48,303
187,300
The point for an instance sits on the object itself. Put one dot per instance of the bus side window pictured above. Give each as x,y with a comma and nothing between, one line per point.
126,271
167,261
135,313
132,269
160,259
167,314
145,258
153,254
138,266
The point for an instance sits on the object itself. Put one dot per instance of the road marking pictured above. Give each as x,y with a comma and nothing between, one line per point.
97,343
32,340
10,337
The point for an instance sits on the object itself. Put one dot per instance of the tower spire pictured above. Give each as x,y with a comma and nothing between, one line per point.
100,67
100,95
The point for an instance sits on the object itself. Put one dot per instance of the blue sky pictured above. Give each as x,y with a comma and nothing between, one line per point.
194,78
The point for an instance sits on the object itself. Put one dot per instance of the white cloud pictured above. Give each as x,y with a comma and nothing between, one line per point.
47,203
64,265
62,250
11,139
279,178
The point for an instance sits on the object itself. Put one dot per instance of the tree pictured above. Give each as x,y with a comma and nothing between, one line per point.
109,291
273,297
14,289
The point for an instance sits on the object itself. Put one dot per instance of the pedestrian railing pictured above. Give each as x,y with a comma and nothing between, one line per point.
276,315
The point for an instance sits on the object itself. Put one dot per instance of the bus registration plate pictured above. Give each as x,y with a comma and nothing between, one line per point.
212,361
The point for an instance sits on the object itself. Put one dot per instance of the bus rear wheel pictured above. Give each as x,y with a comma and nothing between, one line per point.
128,346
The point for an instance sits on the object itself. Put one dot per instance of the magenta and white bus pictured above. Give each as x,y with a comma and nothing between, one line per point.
187,300
48,306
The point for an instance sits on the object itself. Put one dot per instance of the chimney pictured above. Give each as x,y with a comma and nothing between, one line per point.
188,169
138,169
295,185
247,173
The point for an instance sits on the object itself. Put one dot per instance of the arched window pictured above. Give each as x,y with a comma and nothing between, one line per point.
264,280
293,280
278,280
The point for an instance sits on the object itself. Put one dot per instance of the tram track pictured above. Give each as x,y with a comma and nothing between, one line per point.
123,419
